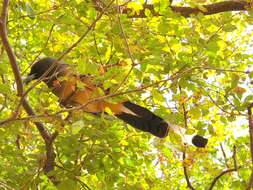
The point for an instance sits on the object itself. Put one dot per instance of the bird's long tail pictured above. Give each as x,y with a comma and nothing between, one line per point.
144,120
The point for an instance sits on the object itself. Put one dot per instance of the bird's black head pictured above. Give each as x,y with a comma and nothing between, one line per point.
47,65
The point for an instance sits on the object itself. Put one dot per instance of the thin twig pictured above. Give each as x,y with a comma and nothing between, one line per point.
32,118
128,51
84,185
4,104
184,111
62,56
18,142
5,186
173,77
234,157
235,168
222,70
189,185
223,110
42,49
224,155
96,46
90,27
141,88
54,8
219,176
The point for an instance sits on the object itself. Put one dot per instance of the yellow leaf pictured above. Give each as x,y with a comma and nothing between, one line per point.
202,8
239,90
137,7
195,113
200,1
182,99
108,111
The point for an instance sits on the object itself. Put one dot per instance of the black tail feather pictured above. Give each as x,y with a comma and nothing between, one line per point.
199,141
144,120
147,121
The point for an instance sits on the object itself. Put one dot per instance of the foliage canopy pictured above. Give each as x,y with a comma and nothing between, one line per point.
193,71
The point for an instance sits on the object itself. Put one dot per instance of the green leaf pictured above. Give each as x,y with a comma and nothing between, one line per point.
234,81
202,54
211,129
157,96
67,185
195,113
148,13
164,26
213,46
4,89
251,74
249,99
175,138
190,131
77,126
229,28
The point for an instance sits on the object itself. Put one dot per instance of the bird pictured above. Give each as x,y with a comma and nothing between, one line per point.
65,84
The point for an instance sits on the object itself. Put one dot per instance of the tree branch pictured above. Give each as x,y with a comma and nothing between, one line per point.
6,44
48,138
224,155
186,127
234,157
49,164
219,176
130,55
89,28
186,174
235,168
225,6
250,118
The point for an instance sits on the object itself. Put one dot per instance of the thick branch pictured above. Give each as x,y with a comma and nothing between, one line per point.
225,6
7,46
43,132
49,164
250,182
250,118
3,32
214,8
251,130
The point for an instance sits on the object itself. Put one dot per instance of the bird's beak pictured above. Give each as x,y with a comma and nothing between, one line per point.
29,78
